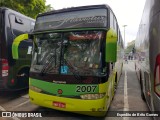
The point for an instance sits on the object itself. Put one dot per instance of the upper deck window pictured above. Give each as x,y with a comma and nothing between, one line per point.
73,19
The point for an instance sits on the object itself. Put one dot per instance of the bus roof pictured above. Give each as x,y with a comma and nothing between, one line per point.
17,13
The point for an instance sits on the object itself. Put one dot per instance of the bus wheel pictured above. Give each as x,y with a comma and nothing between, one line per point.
23,77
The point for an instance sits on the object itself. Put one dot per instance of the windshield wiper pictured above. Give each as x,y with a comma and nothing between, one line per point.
43,71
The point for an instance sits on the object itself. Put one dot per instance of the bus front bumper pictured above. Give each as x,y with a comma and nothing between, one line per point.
87,107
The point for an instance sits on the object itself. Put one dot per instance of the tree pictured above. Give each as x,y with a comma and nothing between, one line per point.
48,8
130,47
29,8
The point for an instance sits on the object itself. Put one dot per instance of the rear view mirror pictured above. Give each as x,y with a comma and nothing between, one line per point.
16,43
111,46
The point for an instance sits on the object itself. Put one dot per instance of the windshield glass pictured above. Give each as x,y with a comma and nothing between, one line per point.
70,53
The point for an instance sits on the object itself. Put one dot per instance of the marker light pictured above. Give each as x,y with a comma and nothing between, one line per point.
35,88
5,67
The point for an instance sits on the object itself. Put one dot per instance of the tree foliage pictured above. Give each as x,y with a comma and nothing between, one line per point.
129,48
48,8
29,8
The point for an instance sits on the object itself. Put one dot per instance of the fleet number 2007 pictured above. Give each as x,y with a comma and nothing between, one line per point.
85,88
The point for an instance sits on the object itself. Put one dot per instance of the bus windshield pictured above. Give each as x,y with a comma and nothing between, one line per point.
68,53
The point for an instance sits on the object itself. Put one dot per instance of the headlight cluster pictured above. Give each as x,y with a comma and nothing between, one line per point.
35,88
92,96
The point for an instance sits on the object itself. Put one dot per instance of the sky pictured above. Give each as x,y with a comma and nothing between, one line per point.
128,12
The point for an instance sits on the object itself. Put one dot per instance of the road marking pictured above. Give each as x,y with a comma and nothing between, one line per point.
130,67
126,105
21,104
14,118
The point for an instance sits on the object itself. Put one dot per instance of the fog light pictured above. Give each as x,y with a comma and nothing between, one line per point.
92,96
12,81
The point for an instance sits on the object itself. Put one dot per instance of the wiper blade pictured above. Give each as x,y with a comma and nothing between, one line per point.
43,71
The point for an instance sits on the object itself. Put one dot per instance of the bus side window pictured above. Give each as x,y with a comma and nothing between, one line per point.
111,20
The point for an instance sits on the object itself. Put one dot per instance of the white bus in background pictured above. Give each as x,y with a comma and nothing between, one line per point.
148,47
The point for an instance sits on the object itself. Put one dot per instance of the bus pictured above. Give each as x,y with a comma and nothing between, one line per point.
147,46
77,59
14,73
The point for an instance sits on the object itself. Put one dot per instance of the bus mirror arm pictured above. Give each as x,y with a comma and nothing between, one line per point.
31,37
36,49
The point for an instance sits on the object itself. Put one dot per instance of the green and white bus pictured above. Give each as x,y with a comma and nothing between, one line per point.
77,59
14,74
147,46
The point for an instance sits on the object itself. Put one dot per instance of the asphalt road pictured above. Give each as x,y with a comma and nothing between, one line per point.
127,98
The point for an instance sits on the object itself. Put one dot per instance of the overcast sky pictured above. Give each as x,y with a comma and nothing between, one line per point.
128,12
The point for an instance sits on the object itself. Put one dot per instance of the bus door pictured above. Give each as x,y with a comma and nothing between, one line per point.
0,47
156,95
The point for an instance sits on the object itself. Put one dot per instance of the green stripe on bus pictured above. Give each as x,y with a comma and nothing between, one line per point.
68,89
16,43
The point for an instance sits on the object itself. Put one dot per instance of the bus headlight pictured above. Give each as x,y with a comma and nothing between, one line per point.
92,96
35,88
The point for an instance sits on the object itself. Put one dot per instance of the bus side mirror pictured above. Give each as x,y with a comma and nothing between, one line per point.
16,43
111,46
36,49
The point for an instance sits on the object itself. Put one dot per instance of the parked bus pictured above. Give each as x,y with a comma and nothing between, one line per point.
147,46
14,73
77,59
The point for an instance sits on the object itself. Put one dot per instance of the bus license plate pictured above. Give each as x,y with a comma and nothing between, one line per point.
59,104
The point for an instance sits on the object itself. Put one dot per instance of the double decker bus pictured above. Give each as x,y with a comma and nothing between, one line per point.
76,59
14,73
148,53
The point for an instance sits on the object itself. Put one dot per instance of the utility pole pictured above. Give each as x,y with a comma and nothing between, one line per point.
124,34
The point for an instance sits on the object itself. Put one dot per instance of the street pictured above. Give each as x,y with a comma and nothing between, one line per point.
127,98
